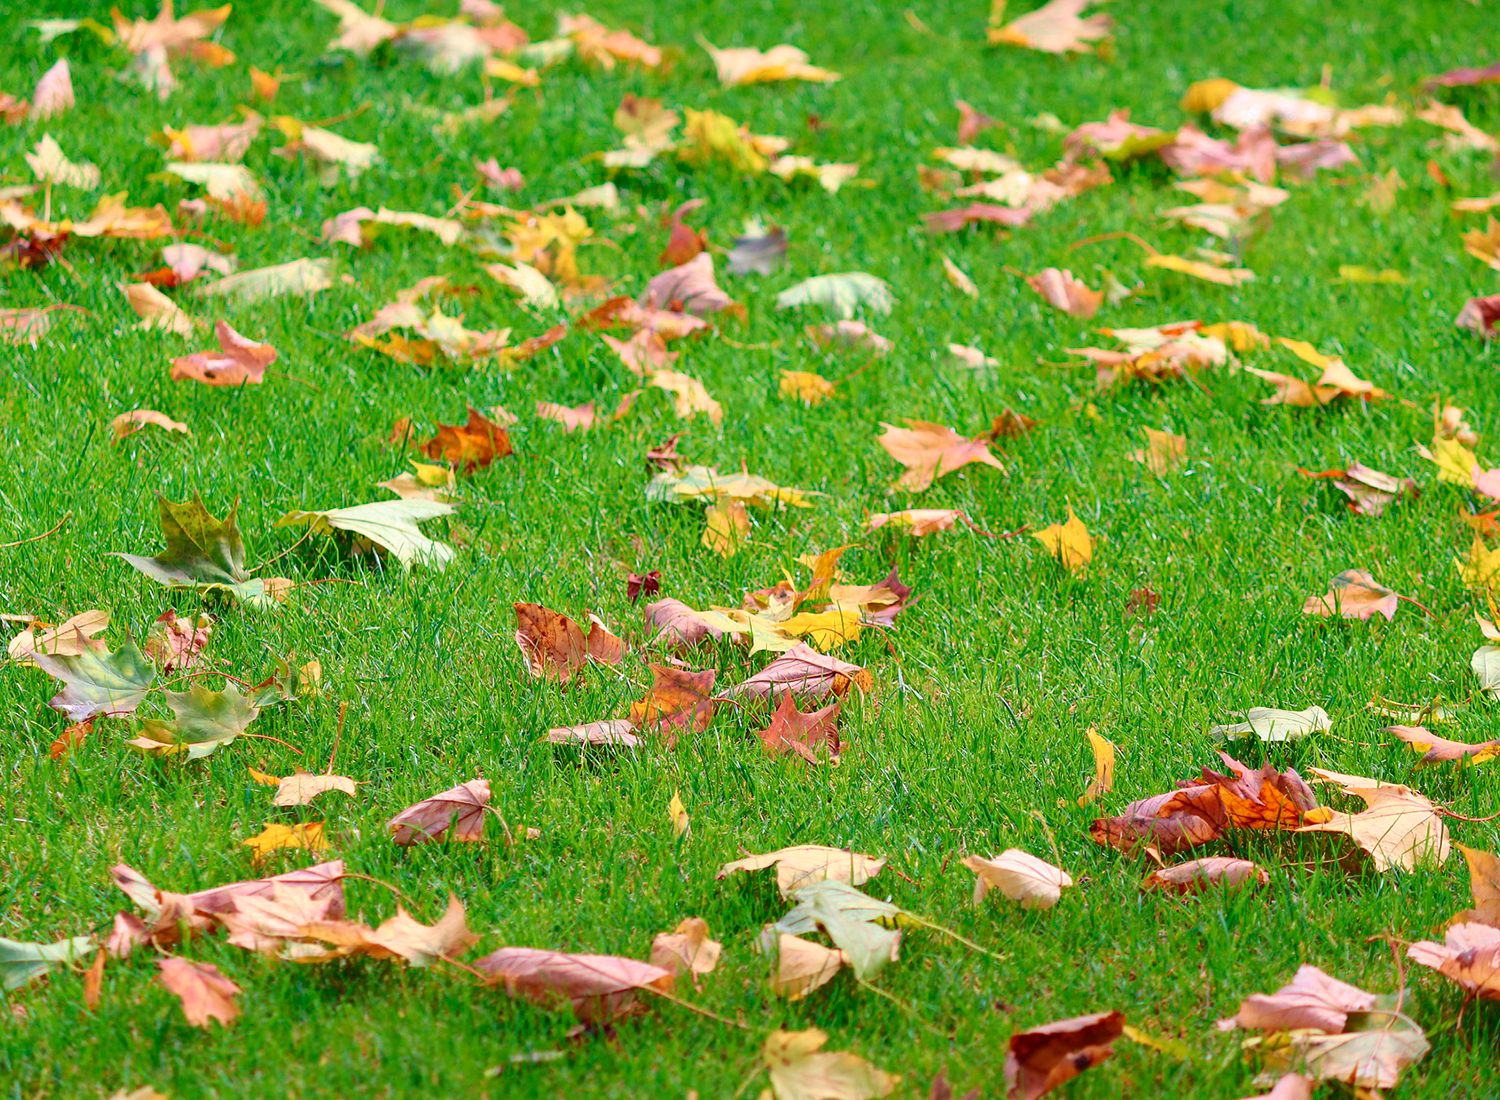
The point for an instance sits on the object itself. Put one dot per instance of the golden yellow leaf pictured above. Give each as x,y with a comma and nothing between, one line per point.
308,837
825,629
805,386
678,815
1104,767
1070,543
1201,269
263,779
728,525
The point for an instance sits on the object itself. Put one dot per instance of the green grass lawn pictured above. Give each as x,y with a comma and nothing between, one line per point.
973,739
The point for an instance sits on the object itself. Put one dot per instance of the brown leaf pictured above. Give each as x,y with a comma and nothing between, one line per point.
1311,999
928,451
639,584
239,361
1067,292
803,966
1263,798
1163,452
684,242
301,787
1198,875
1484,883
552,643
1437,749
1038,1060
598,988
688,288
679,700
469,446
1469,955
971,122
976,213
1290,1086
1170,822
572,418
1020,876
613,731
1480,315
205,993
807,673
687,949
678,625
400,936
93,981
462,808
176,643
792,732
1354,594
1398,828
70,738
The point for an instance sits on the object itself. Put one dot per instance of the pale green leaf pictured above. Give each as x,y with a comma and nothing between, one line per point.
391,524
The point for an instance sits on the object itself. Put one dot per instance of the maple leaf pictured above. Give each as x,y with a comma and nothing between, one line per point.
1070,543
847,334
301,787
21,962
1480,315
238,362
688,288
555,646
598,988
1481,572
614,732
1198,875
1020,876
746,65
687,949
67,639
1398,827
456,814
976,213
807,673
806,864
98,682
843,294
49,164
830,177
1354,594
400,936
1370,492
469,446
638,584
800,1070
794,733
689,395
692,482
809,388
1163,452
177,643
571,418
1065,291
929,451
1041,1058
1055,27
307,836
349,227
204,992
678,701
801,965
205,721
390,524
1271,724
1469,956
604,47
920,521
726,526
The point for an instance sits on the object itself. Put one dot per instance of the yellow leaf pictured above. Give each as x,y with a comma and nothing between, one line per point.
959,278
1199,269
678,814
1481,572
1307,353
825,629
1454,461
307,837
263,779
1203,96
1104,767
1359,273
804,386
1162,452
1069,542
728,524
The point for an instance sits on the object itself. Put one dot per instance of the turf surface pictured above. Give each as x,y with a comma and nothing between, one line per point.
974,739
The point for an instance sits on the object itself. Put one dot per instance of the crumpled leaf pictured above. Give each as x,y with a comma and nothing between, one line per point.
679,701
469,446
128,423
205,722
204,992
842,294
1469,955
1065,291
598,988
1271,724
98,682
455,814
1020,876
799,1070
617,732
1041,1058
1437,749
400,936
806,864
555,646
929,451
21,962
688,288
238,362
1199,875
687,949
389,524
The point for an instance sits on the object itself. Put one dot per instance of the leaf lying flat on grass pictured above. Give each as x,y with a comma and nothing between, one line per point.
1270,724
598,988
461,809
1469,955
1020,876
205,721
204,992
21,962
389,524
806,864
1199,875
98,682
1040,1059
843,294
801,1070
1399,827
205,553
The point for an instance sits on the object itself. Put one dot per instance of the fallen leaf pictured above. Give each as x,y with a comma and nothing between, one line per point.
1065,291
1437,749
807,673
800,1070
726,527
1398,828
805,386
204,992
803,966
1163,452
127,423
1312,999
1070,543
1020,876
842,294
1271,724
307,836
611,732
972,357
687,949
806,864
301,787
390,524
51,166
1484,883
679,701
202,552
745,65
1199,875
677,814
959,279
302,276
98,682
794,733
688,288
68,639
678,625
21,962
758,251
455,814
1469,956
598,988
1354,594
555,646
1289,1086
848,334
1040,1059
239,361
1104,767
929,451
470,446
177,643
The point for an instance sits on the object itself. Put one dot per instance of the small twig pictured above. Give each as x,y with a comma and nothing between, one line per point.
34,538
279,741
485,979
343,708
899,1003
750,347
1461,817
1414,603
361,109
381,882
699,1009
306,535
510,840
1120,236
